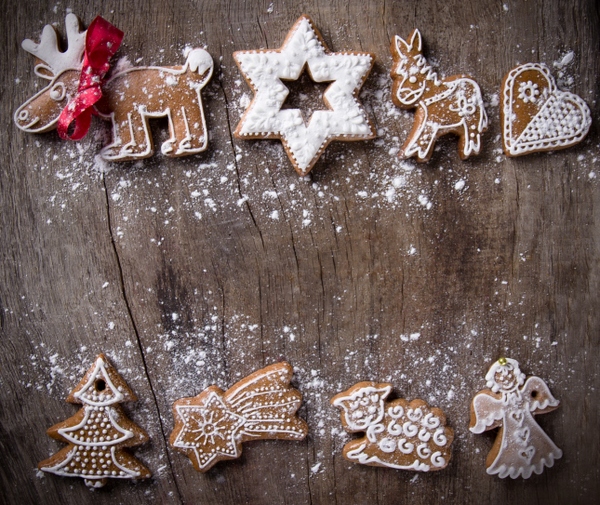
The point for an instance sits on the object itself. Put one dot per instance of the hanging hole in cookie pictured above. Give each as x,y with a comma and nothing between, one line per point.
100,385
534,394
305,95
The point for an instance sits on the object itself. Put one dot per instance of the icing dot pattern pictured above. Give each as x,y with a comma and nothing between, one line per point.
264,118
537,116
212,426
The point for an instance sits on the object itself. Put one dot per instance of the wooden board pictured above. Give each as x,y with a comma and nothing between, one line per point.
196,271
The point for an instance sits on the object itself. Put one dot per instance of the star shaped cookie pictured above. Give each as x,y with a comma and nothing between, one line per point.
208,425
304,49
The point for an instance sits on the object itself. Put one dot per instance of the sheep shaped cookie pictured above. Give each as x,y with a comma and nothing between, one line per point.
399,434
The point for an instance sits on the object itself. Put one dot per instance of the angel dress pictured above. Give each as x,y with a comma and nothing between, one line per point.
521,447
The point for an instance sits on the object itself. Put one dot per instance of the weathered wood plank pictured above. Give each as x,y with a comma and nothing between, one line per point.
199,270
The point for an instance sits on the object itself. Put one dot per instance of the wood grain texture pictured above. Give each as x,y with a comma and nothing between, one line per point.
196,271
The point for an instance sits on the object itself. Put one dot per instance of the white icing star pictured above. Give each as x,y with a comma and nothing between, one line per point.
209,429
264,118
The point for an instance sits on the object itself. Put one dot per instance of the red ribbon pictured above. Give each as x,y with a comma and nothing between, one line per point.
101,43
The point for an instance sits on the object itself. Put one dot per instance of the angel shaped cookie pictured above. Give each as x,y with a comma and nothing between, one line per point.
211,427
510,403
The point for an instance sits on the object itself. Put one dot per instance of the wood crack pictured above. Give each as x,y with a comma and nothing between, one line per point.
137,333
235,163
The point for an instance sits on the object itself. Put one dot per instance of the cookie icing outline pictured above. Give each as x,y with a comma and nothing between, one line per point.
304,48
517,147
510,403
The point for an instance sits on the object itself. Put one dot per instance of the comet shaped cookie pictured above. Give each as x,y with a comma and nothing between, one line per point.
211,427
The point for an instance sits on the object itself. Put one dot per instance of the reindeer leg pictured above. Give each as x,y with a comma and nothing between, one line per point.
422,136
188,132
421,141
131,137
469,140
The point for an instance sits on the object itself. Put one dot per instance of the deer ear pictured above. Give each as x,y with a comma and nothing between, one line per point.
44,71
416,44
402,46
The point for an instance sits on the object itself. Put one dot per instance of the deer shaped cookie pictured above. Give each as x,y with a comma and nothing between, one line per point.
399,434
451,105
129,97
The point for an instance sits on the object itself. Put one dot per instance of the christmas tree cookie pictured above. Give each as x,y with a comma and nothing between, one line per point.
99,433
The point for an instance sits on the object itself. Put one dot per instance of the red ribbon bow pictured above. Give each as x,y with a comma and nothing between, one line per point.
101,43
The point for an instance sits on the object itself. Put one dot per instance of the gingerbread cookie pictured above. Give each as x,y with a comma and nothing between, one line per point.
521,447
536,115
129,98
304,48
451,105
212,426
99,432
399,434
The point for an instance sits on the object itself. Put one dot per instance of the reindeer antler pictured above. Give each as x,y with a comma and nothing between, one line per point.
55,61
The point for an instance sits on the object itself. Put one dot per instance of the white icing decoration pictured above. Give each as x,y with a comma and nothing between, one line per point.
387,445
458,98
90,396
528,91
166,90
398,436
439,438
94,452
423,451
264,69
430,421
405,447
557,119
525,448
214,424
438,460
354,404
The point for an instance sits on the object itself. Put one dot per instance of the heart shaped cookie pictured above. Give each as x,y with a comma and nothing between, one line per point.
536,115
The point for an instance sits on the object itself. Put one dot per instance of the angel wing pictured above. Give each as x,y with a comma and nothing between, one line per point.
540,398
268,404
486,412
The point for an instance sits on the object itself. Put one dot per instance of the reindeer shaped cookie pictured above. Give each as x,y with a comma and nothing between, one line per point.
129,98
451,105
